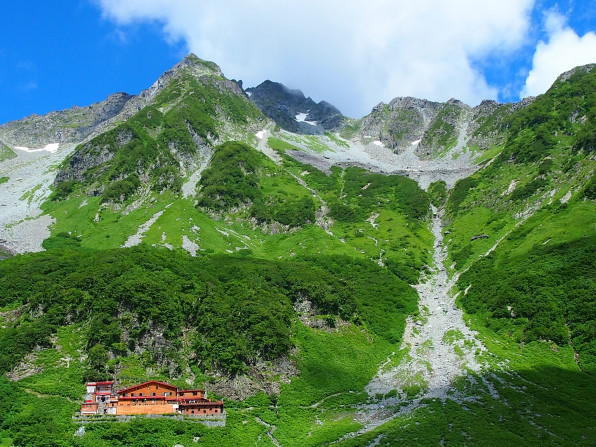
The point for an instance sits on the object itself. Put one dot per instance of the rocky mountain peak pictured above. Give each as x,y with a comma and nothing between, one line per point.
292,110
400,122
65,126
581,69
401,102
457,102
198,65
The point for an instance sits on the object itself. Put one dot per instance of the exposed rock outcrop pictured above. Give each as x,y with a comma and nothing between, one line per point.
399,123
294,112
66,126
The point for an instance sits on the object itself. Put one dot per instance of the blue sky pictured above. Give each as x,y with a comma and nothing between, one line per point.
57,54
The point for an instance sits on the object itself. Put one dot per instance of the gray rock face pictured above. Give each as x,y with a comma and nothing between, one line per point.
582,69
292,111
66,126
91,154
434,128
488,124
400,122
444,129
78,124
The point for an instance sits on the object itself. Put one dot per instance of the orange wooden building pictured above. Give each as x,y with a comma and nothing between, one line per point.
151,397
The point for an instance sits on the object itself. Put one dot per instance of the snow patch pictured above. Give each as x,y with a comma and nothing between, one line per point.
249,94
414,143
52,147
261,134
379,143
301,118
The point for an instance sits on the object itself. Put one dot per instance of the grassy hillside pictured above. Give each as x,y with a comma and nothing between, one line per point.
281,275
248,204
135,314
546,163
534,205
284,289
521,234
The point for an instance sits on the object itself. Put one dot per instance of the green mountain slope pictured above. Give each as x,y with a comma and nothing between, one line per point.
535,200
190,245
292,266
521,240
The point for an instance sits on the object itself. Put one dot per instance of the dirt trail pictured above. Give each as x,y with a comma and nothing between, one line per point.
135,239
270,431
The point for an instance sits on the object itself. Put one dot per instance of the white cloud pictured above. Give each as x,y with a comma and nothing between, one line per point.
349,53
564,51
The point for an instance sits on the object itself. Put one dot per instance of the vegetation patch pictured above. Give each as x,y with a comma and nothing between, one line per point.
437,192
6,153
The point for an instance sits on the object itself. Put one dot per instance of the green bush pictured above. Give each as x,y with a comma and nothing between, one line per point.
437,191
240,307
528,189
232,178
551,290
460,192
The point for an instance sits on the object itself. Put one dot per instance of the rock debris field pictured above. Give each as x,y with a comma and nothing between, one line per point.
22,226
437,348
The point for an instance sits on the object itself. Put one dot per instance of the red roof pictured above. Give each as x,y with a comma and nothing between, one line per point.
188,391
104,383
147,383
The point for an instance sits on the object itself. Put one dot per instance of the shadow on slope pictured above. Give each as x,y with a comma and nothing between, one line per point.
539,406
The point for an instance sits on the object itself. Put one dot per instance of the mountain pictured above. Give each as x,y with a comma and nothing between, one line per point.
67,126
423,275
174,131
292,111
435,128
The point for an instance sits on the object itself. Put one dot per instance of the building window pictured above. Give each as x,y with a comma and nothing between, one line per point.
140,394
153,394
194,393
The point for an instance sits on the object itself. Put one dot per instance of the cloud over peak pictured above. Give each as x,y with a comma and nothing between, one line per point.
563,51
354,55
